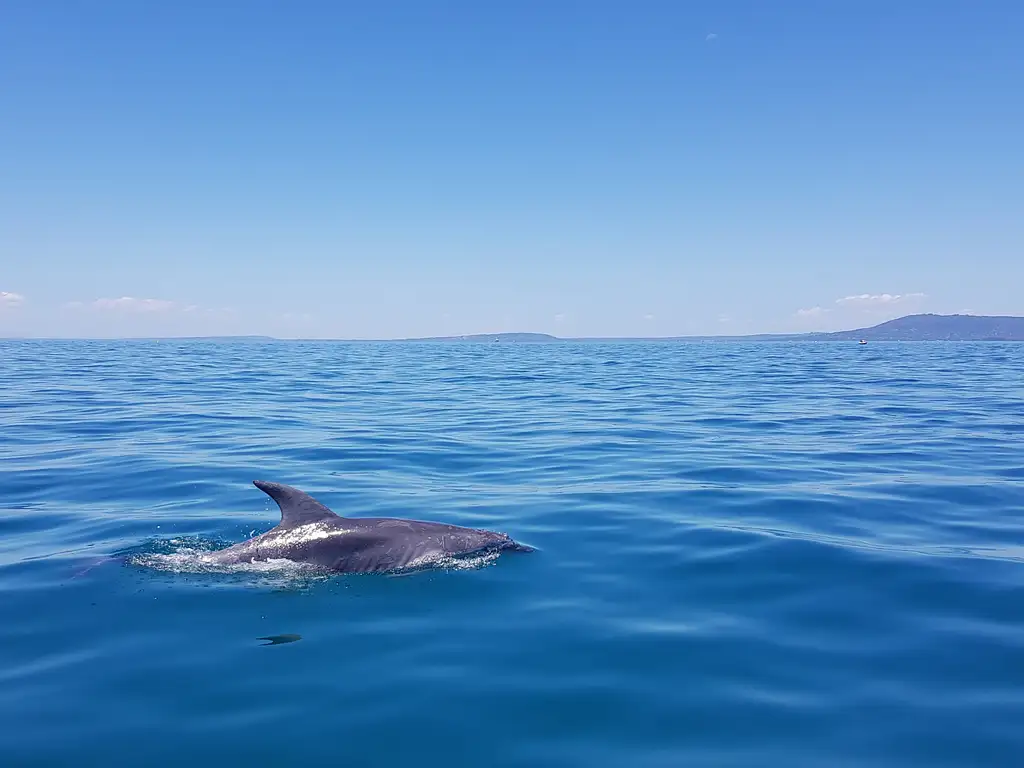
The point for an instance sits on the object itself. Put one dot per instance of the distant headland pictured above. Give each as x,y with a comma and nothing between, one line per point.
936,328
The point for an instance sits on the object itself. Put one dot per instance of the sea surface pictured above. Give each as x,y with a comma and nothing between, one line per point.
748,554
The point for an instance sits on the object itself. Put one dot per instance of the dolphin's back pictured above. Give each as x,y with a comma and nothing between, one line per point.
311,533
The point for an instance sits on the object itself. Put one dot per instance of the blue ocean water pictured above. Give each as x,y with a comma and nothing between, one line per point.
770,554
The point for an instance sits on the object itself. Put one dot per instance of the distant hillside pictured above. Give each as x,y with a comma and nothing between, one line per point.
935,328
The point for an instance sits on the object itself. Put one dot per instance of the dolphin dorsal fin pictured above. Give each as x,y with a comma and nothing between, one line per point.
297,507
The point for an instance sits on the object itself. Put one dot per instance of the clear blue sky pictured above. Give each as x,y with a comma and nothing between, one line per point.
386,169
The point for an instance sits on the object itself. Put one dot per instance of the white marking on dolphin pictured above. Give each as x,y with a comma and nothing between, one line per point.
312,534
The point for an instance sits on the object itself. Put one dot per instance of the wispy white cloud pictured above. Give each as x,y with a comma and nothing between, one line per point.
648,317
811,312
9,299
879,299
860,308
130,304
711,36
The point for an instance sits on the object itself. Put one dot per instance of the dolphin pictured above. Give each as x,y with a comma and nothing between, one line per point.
312,534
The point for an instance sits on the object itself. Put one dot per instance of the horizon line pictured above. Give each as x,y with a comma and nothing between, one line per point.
498,334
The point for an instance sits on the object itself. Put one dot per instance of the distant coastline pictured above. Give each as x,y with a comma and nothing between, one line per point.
920,327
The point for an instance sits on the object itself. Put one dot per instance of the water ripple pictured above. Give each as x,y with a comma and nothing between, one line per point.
748,554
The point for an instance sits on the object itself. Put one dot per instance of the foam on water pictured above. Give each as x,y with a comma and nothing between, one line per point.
192,555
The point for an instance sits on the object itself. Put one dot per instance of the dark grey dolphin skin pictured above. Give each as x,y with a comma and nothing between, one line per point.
310,533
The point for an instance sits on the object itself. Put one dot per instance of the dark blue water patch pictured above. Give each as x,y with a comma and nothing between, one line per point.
748,554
